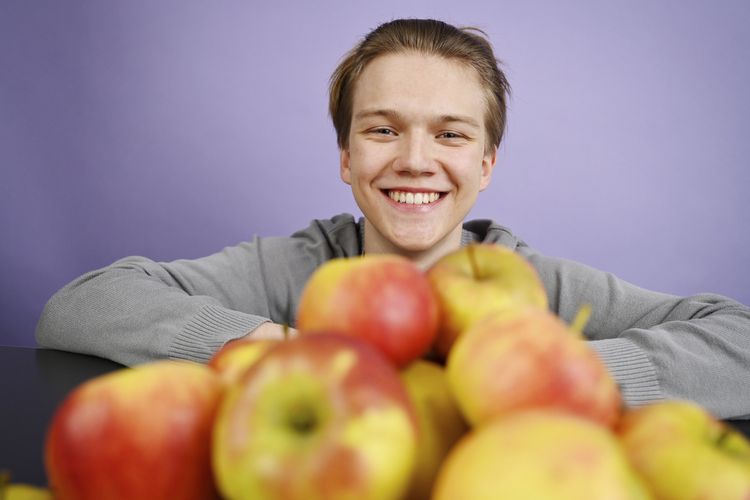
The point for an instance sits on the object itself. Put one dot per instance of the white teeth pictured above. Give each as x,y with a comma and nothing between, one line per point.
413,198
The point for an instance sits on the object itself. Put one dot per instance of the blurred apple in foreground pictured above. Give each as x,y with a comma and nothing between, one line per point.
21,491
529,359
140,432
235,357
538,455
683,452
383,299
477,280
440,422
317,417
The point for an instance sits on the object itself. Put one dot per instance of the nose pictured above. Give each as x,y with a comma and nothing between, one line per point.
415,156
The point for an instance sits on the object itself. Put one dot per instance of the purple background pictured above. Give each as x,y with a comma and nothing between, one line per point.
172,129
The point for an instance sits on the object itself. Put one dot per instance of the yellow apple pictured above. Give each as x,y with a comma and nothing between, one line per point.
235,357
21,491
538,455
528,358
683,452
477,280
317,417
142,432
440,422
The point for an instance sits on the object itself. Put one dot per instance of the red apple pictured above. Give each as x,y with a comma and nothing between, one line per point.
140,432
682,451
477,280
235,357
529,359
317,417
537,454
384,299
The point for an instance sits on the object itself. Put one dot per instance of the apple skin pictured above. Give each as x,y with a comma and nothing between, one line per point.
441,424
141,432
20,491
384,299
539,454
684,453
321,416
235,357
479,279
529,358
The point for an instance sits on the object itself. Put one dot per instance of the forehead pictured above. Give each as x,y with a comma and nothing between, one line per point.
414,83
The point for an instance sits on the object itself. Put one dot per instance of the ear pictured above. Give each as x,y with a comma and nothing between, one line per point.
344,169
488,166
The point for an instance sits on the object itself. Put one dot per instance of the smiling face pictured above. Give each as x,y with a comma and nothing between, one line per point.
417,155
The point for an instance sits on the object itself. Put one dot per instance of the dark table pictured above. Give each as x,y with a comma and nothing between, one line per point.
33,382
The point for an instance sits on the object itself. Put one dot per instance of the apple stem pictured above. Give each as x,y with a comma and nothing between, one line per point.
473,261
285,329
582,317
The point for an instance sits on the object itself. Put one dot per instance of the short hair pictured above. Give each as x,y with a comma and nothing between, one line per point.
467,45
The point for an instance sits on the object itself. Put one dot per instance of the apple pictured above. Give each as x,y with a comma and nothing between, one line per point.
141,432
321,416
440,422
21,491
683,452
538,454
479,279
383,299
236,356
528,358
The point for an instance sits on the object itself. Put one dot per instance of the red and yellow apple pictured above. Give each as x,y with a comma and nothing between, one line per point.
140,432
477,280
385,300
683,452
440,422
235,357
528,358
321,416
538,455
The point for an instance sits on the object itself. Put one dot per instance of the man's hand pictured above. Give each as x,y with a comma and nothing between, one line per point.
271,331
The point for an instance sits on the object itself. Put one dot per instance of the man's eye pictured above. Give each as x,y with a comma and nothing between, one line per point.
383,131
450,135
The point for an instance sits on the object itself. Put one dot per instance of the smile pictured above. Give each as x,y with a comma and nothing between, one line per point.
409,198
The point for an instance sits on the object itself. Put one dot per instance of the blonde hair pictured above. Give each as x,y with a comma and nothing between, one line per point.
430,37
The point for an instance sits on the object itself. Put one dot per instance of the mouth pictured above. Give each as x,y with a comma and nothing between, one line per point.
413,198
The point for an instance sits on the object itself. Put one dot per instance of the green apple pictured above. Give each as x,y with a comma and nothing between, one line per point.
528,358
317,417
142,432
385,300
683,452
440,422
537,454
477,280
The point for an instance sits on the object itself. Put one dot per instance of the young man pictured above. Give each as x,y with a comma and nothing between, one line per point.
419,111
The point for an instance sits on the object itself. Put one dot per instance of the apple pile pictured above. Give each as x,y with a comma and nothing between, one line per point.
455,383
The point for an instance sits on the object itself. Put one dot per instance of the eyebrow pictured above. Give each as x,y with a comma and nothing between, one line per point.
395,115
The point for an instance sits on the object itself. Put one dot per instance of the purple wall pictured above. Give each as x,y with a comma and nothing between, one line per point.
172,129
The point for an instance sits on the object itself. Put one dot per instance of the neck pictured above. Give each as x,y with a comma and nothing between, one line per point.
374,243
